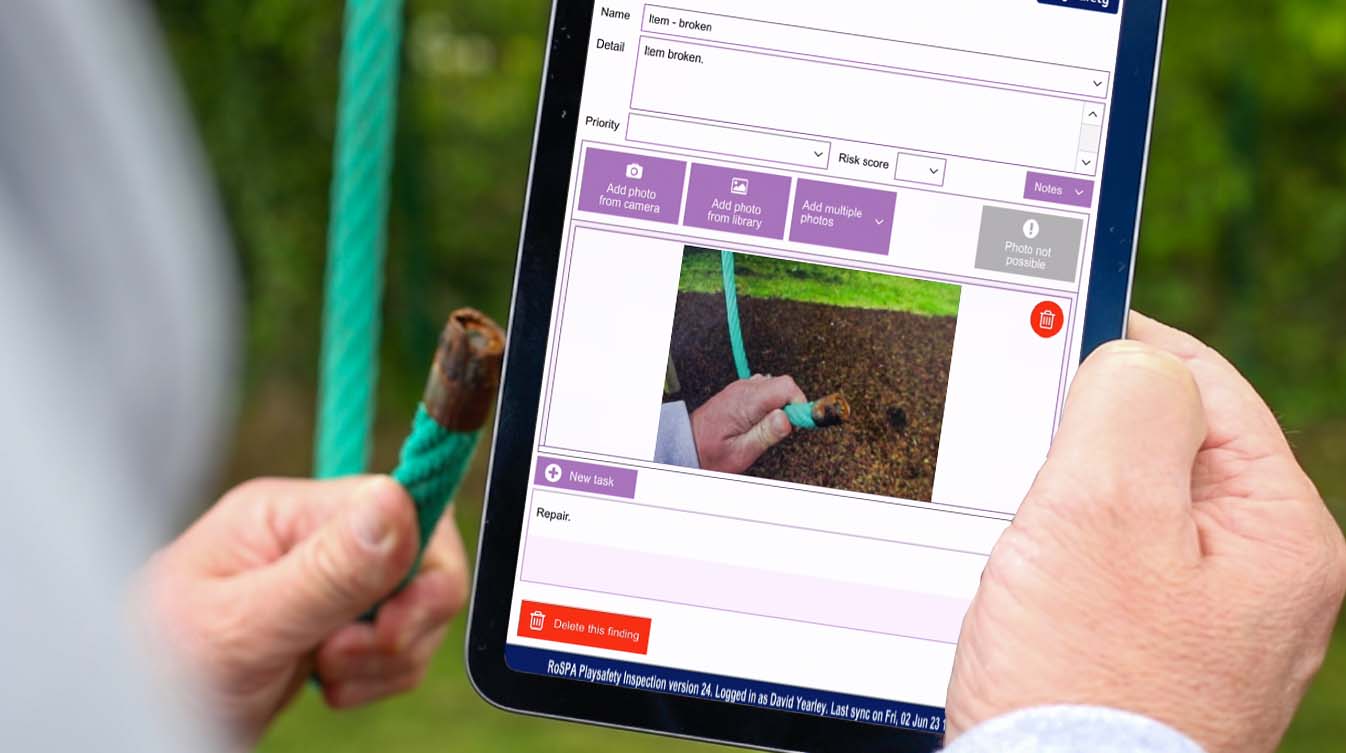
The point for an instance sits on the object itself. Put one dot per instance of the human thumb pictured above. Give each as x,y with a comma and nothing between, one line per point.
1121,464
339,572
768,433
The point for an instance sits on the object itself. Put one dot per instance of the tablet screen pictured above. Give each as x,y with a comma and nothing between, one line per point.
821,293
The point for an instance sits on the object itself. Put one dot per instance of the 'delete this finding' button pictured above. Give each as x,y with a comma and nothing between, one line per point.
849,217
584,627
585,477
1059,189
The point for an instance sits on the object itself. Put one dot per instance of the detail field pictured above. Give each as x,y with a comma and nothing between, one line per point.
830,100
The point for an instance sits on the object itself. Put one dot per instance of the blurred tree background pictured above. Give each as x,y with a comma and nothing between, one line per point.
1244,244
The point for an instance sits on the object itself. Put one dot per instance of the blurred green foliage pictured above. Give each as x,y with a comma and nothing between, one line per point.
1244,244
262,79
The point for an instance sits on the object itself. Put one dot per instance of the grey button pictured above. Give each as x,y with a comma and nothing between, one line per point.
1029,243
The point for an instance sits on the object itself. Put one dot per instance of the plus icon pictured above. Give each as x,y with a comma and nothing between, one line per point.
552,473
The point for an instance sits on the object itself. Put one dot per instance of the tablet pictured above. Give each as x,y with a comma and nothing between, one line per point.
801,290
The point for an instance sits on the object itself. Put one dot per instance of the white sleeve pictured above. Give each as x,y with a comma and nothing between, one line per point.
676,444
1073,729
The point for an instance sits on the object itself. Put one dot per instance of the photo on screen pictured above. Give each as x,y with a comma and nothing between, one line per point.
871,352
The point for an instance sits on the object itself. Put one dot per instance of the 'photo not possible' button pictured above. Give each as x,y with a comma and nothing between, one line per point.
558,473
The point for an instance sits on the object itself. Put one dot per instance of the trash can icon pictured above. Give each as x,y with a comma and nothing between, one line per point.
535,621
1047,322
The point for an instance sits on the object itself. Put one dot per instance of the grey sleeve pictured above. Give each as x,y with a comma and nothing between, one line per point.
676,445
1073,729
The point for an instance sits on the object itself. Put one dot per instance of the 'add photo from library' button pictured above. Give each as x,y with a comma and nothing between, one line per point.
738,201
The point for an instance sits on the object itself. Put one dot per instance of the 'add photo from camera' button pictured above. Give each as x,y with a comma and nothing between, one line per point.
633,186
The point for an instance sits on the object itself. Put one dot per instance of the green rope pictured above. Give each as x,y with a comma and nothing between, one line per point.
800,414
731,306
433,459
356,235
432,465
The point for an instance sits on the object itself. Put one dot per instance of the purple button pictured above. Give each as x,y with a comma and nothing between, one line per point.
586,477
1059,189
857,219
630,185
738,201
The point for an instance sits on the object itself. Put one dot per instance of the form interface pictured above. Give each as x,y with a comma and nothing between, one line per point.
820,297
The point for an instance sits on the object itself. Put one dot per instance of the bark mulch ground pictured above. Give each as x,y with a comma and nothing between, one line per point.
893,367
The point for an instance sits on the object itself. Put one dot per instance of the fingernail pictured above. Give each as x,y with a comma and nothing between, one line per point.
373,529
1141,354
404,640
1128,347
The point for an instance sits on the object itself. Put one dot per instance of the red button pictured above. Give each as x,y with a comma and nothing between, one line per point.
583,627
1048,320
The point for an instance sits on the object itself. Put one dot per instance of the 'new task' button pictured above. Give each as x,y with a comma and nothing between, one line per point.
585,477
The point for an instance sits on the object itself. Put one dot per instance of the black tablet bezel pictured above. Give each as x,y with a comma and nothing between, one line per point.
516,421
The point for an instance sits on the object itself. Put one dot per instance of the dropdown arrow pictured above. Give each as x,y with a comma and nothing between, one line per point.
878,222
817,154
1088,162
1098,83
1079,192
934,171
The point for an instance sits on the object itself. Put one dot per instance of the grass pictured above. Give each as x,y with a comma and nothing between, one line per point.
764,277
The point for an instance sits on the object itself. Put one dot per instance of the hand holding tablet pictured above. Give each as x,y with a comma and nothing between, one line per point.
1172,560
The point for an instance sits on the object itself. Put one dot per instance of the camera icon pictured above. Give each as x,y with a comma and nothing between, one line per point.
635,171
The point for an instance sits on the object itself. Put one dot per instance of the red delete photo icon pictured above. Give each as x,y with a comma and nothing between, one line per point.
1048,320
